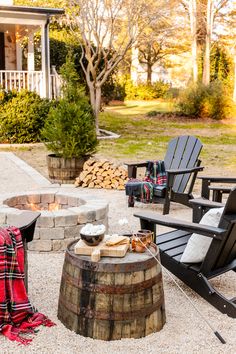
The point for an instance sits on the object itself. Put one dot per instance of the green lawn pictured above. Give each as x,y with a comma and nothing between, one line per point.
144,137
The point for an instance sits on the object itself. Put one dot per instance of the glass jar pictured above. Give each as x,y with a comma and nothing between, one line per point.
138,243
146,233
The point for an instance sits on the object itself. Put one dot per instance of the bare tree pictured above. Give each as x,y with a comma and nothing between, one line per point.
159,41
108,29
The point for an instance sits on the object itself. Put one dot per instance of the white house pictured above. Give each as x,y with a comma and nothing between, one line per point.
18,24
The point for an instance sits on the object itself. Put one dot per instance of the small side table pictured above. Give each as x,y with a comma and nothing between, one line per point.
207,180
201,206
114,298
218,192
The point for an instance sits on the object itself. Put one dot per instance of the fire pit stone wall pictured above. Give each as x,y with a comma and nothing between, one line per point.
63,214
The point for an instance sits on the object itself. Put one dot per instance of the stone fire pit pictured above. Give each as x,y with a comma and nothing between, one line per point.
63,214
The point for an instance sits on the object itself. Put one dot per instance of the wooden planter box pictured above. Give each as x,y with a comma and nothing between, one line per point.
64,170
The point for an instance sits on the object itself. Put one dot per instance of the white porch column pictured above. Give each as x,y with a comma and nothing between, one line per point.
18,55
45,59
30,61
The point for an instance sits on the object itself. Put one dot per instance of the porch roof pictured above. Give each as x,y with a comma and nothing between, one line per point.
31,10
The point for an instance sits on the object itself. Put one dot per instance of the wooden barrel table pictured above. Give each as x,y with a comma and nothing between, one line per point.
114,298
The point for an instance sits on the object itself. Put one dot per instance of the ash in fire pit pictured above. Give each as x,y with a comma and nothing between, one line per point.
63,214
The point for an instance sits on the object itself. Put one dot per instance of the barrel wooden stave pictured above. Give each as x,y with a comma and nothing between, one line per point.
64,170
111,306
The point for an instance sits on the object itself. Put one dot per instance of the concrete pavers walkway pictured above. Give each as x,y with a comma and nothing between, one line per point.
16,175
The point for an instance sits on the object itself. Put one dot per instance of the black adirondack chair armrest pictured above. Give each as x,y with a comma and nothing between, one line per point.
26,223
172,173
137,164
132,168
205,203
185,170
166,220
27,218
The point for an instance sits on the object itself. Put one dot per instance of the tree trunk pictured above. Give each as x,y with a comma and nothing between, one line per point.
206,68
234,95
149,66
149,74
193,23
95,100
97,106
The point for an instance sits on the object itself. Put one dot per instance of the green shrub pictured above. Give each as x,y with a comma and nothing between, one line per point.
143,91
152,113
205,101
69,129
22,117
6,96
173,93
113,90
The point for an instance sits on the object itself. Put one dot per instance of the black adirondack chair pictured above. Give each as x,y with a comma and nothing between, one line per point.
26,223
182,165
220,258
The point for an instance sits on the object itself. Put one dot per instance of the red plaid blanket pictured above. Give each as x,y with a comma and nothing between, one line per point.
17,316
155,175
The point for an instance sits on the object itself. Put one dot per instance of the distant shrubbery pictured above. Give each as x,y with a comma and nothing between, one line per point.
143,91
22,116
203,101
113,89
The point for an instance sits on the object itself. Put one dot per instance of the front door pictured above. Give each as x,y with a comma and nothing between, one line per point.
2,51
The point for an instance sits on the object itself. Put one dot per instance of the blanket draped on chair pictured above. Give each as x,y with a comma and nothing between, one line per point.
17,316
155,175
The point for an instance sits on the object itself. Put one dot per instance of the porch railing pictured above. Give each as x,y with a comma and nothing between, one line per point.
30,80
19,80
56,83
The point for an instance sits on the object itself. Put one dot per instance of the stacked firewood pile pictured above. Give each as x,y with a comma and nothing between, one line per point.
102,174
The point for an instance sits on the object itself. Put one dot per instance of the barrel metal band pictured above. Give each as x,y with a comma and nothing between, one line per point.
111,289
113,316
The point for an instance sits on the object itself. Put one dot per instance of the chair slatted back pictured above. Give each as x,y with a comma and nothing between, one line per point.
223,252
182,152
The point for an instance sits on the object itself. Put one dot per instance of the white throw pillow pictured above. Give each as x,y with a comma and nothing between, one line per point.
198,245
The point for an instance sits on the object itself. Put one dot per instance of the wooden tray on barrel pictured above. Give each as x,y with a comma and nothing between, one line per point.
101,250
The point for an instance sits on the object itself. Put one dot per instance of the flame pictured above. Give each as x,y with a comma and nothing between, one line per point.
51,207
33,207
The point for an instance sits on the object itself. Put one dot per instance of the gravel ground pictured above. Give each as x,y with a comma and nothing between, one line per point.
184,331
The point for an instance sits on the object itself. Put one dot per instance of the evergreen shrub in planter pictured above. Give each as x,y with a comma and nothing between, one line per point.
69,130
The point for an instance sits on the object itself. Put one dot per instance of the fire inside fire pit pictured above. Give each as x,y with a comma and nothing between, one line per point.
63,214
36,207
39,202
